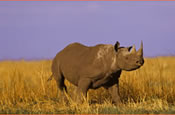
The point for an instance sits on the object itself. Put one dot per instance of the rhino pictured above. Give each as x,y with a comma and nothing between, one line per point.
92,67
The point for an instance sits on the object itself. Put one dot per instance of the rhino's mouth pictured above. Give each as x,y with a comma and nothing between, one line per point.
137,66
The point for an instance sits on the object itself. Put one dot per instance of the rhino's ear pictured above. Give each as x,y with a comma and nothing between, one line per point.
129,48
117,45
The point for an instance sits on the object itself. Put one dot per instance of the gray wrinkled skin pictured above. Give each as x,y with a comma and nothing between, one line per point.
96,66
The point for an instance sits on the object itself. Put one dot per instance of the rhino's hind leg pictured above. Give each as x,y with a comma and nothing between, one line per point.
60,82
61,87
83,86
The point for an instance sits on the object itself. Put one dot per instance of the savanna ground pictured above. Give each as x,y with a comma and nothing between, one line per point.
24,89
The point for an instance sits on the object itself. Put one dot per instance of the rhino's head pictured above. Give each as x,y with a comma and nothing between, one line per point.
128,58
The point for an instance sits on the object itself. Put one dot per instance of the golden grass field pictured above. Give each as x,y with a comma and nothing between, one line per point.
24,89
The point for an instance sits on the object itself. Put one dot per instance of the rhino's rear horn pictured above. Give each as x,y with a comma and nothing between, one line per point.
133,50
140,51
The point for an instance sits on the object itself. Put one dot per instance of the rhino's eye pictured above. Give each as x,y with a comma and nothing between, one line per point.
126,58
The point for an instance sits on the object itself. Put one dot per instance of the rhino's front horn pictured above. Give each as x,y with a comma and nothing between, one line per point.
133,49
140,51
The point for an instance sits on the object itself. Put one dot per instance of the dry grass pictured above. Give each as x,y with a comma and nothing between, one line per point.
24,89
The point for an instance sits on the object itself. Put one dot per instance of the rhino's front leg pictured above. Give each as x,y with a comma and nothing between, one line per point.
114,91
83,86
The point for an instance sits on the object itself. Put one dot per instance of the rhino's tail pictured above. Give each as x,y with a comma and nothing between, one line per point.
50,78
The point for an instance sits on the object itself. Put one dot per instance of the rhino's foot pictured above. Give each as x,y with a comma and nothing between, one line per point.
63,97
117,102
80,99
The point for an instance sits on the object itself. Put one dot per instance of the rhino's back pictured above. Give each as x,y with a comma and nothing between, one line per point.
75,53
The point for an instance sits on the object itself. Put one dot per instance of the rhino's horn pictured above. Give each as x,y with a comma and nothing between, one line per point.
133,49
140,51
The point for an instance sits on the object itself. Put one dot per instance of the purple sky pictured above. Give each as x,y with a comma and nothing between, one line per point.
36,30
